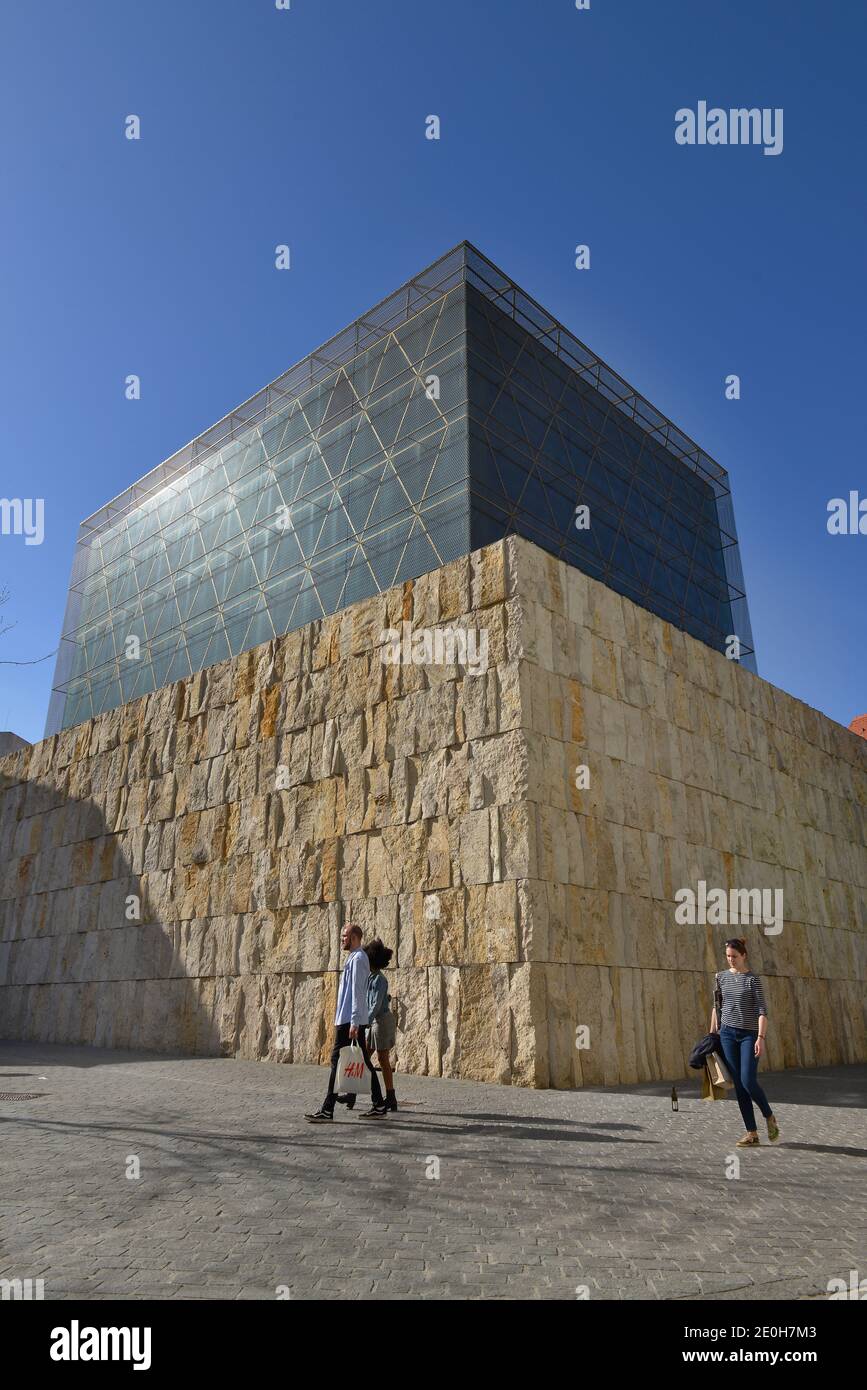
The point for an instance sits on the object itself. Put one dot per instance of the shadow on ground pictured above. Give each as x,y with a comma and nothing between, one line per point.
834,1086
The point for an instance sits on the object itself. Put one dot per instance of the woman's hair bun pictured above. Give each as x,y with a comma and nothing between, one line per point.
738,943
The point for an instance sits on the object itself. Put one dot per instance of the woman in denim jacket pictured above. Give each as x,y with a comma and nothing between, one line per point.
382,1030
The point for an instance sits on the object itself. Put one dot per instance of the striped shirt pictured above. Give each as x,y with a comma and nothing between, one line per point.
743,1000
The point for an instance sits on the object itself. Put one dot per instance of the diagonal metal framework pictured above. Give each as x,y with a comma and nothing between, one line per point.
350,473
339,493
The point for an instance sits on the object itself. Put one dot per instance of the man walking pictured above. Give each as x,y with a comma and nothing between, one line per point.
351,1023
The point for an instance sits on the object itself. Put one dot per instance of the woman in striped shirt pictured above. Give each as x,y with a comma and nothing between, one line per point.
742,1030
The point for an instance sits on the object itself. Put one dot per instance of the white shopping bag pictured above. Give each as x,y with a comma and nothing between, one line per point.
353,1077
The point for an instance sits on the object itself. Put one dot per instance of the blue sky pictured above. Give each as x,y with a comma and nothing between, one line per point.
306,127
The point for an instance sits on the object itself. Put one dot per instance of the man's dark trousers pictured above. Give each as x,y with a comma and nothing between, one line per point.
342,1039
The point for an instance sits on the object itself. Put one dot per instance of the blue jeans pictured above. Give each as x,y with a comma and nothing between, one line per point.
738,1050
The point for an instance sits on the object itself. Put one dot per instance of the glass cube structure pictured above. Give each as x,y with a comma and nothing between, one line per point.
455,412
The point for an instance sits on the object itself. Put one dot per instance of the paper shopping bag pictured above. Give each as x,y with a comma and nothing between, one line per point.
353,1077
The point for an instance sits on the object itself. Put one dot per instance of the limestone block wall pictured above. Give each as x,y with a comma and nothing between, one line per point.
698,770
255,808
175,874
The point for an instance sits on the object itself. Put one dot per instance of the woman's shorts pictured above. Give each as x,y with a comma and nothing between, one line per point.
382,1033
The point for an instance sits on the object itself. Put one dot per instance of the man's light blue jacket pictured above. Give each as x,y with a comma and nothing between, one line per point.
352,995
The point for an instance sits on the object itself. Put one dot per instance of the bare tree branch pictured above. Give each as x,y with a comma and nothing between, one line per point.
34,662
4,598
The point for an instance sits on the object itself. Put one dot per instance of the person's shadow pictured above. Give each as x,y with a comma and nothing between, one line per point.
84,956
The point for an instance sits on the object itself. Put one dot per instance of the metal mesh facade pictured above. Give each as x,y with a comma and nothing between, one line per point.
356,470
544,442
342,491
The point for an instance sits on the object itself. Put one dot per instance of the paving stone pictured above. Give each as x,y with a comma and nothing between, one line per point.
540,1191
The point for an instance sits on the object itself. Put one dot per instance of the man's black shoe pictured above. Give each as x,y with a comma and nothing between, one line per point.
320,1117
376,1112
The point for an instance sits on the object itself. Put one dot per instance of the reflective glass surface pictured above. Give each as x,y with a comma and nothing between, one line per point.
346,489
454,412
545,442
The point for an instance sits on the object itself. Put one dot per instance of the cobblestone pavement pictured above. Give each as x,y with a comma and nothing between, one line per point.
538,1194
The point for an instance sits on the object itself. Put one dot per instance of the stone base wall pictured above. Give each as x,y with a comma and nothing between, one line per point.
699,770
174,874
